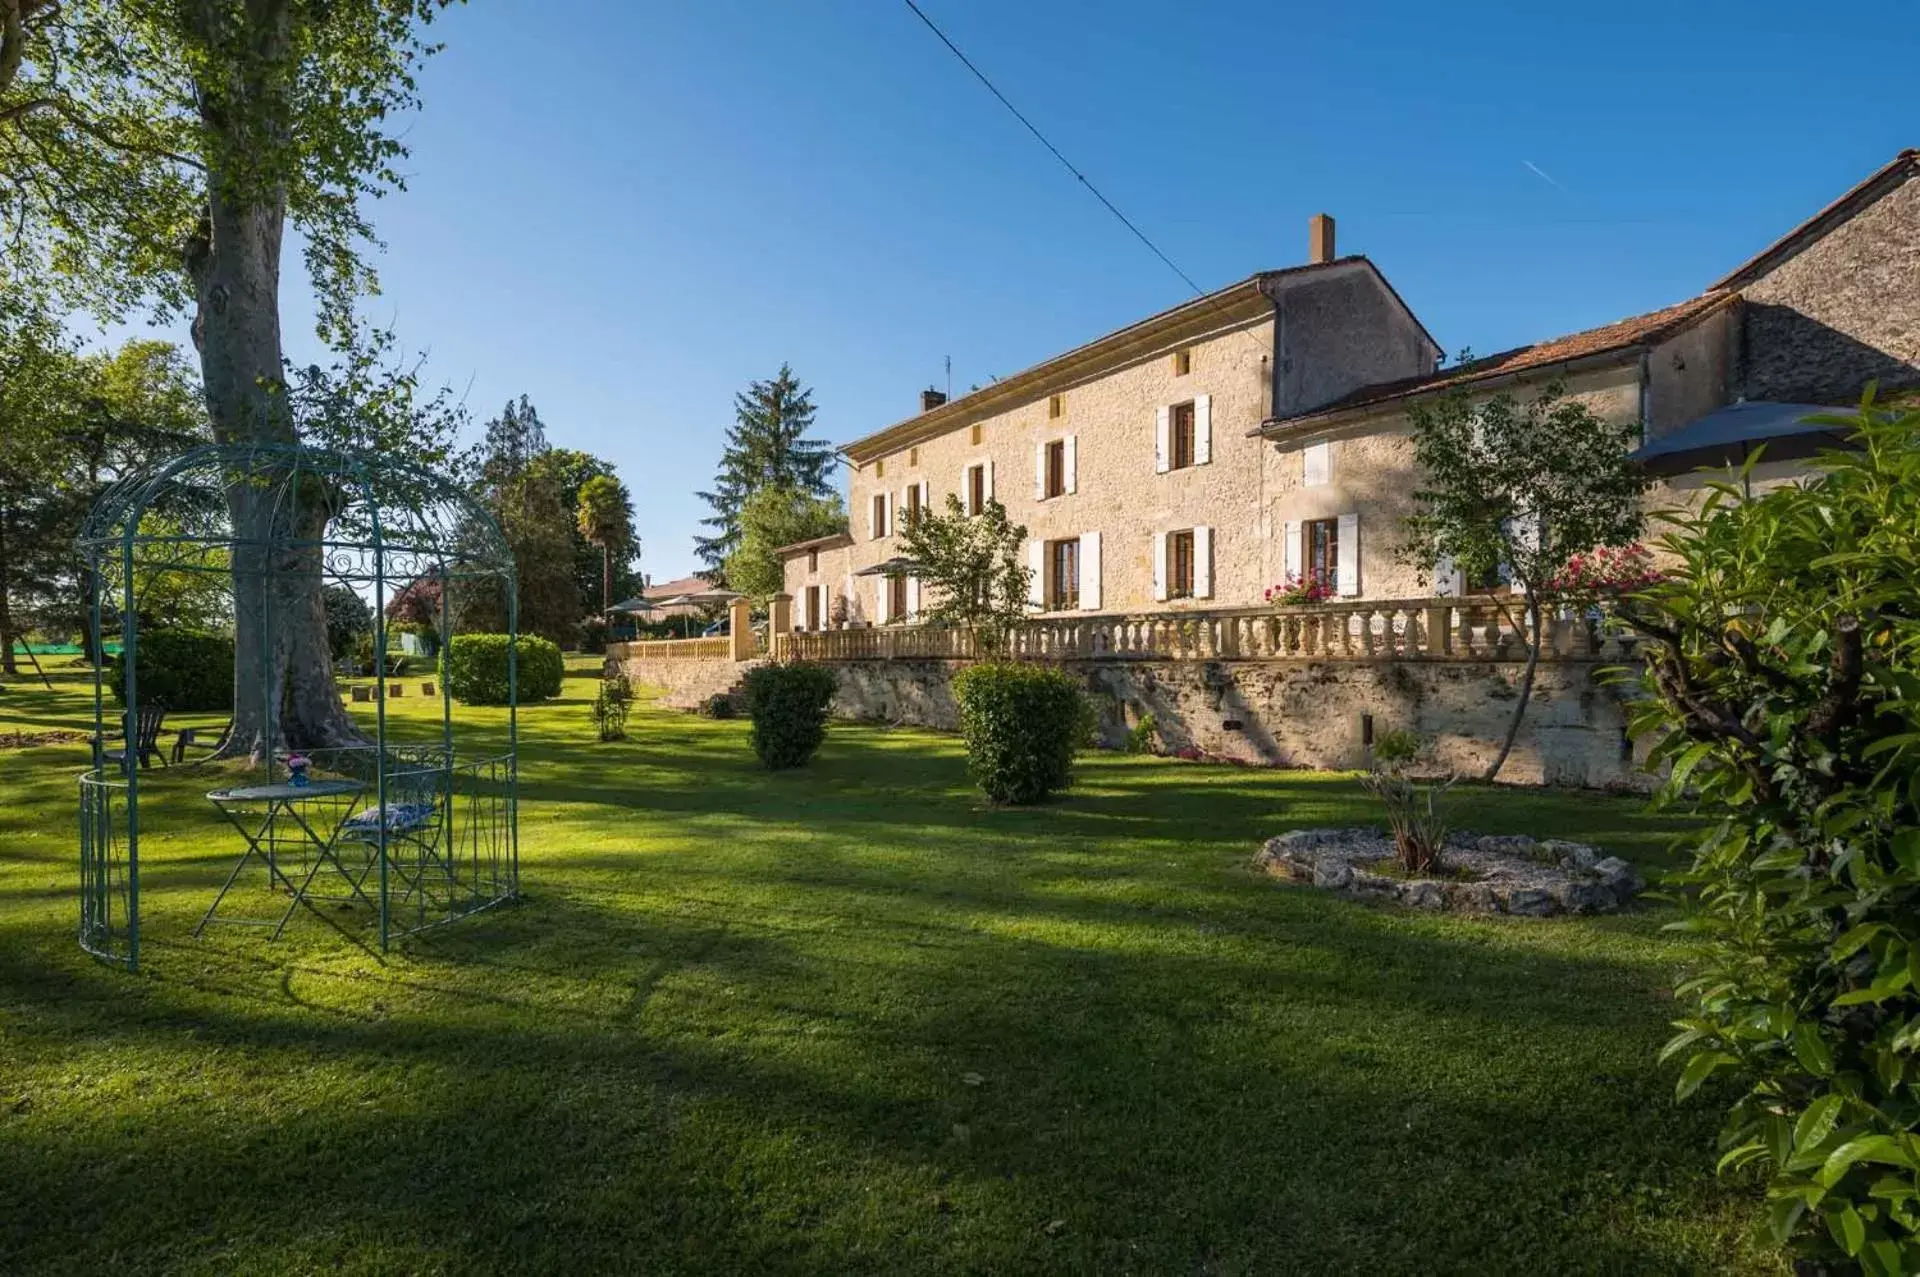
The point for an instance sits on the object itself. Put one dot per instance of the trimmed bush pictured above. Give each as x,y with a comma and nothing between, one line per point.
788,704
476,670
1023,724
184,670
718,705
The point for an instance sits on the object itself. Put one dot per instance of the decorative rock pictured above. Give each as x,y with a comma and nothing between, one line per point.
1509,873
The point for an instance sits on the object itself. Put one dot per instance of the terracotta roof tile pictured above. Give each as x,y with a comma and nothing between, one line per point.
1624,334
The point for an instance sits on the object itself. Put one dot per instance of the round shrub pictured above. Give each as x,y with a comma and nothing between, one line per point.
477,669
788,704
1023,724
184,670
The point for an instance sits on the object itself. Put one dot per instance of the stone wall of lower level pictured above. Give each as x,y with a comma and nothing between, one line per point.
1282,713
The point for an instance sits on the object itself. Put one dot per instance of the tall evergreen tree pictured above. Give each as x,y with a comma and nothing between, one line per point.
767,447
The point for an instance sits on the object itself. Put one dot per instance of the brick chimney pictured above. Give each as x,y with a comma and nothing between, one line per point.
931,399
1320,238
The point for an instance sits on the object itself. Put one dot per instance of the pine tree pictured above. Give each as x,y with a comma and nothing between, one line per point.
766,447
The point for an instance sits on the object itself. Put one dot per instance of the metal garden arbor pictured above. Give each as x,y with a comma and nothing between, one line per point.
417,826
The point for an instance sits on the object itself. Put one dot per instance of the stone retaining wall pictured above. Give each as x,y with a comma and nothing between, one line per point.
1290,713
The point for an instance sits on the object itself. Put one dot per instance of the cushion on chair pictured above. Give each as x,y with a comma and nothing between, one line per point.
402,818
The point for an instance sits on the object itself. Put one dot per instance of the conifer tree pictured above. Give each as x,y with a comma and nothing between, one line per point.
767,447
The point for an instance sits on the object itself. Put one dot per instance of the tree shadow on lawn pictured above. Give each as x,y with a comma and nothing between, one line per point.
670,1094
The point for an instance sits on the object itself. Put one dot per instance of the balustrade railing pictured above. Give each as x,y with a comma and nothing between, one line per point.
1457,629
700,649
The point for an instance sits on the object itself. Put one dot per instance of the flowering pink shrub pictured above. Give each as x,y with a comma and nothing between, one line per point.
1607,570
1297,589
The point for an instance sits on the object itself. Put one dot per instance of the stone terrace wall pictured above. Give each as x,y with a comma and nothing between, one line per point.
683,683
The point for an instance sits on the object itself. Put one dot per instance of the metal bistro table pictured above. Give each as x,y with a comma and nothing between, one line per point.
312,845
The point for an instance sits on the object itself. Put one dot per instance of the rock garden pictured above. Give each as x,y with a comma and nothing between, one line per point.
1514,874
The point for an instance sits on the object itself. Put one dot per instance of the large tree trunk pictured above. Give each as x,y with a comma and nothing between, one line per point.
1533,637
284,691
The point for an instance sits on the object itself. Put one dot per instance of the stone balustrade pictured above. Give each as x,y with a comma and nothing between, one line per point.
1475,628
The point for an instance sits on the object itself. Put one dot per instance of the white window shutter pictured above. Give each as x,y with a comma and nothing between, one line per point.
1290,551
873,529
1203,563
1160,567
1446,578
1040,471
1162,441
825,596
926,495
1317,464
1073,464
989,478
880,600
1089,571
966,489
886,514
1036,578
913,596
1202,429
1348,551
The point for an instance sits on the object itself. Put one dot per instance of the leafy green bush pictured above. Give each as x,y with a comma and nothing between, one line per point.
788,703
1783,679
184,670
1022,724
718,705
476,670
611,703
1140,735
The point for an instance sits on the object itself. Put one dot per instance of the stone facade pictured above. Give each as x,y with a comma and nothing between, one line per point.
1826,312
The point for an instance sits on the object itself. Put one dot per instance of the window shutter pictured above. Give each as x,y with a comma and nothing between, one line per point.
1040,471
1317,464
886,514
872,530
1290,551
1526,534
966,489
1446,578
913,596
1160,564
1162,442
926,496
1036,580
824,595
1203,563
1202,429
1089,571
1073,465
1348,567
989,478
880,600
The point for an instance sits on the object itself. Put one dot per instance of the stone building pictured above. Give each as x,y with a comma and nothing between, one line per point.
1192,460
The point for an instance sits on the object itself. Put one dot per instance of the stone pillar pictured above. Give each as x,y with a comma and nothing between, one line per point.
740,630
782,615
1439,629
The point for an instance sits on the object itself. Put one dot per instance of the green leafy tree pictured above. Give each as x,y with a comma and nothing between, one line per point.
972,565
1515,490
527,499
767,447
156,152
348,617
603,514
1782,678
771,518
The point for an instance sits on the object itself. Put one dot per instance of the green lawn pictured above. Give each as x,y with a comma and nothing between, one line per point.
845,1020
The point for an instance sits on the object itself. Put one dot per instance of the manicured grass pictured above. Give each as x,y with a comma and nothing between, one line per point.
846,1019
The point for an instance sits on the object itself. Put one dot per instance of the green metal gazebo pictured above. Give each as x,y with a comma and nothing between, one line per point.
412,827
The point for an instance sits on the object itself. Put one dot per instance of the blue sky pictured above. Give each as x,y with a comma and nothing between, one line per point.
628,210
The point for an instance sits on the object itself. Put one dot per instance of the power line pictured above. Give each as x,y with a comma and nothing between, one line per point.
1066,163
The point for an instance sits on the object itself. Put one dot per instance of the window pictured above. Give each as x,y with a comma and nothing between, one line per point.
913,456
1180,437
1183,361
1316,463
975,433
913,504
816,618
1180,564
1320,545
896,597
1063,575
879,515
813,561
1056,406
1056,468
976,489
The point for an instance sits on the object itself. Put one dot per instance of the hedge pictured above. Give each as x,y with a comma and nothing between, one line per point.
788,704
1022,724
476,669
187,671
